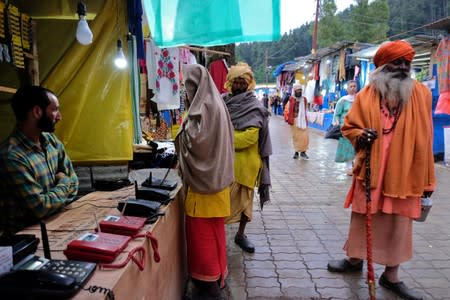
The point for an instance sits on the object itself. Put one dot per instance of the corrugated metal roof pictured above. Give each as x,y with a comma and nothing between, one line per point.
321,53
366,53
443,24
422,44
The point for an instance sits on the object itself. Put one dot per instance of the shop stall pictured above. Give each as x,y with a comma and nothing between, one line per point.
163,279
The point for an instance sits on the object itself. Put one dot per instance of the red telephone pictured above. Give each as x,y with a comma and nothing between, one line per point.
98,247
123,225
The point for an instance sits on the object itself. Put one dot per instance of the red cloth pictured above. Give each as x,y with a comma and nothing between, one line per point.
293,110
218,71
443,103
206,249
318,100
391,51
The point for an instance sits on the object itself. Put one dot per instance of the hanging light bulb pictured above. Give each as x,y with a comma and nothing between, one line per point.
120,61
84,33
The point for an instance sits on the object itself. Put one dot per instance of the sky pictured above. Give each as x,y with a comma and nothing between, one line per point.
295,13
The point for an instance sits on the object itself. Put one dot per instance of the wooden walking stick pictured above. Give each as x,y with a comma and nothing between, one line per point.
370,271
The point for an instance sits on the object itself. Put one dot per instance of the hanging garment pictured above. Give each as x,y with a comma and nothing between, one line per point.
443,58
218,71
186,57
163,69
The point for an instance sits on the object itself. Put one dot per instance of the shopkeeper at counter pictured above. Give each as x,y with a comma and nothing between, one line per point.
36,175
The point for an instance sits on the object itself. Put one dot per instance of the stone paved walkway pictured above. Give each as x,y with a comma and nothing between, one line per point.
305,225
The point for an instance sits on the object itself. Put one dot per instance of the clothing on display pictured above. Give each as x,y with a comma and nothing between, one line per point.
163,75
218,70
443,57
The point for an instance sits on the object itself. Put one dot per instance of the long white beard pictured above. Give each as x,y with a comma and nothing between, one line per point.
394,91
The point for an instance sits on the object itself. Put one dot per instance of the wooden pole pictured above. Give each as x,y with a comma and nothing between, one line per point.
316,21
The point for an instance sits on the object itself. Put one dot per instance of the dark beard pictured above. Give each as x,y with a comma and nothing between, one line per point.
298,95
46,124
394,87
237,91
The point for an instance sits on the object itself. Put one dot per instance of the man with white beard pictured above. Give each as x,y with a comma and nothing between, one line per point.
393,116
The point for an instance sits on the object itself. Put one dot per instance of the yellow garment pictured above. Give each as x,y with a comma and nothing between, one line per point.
240,70
241,203
208,205
247,162
300,138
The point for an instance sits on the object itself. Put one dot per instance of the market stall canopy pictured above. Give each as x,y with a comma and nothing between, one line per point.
422,44
306,61
209,23
280,68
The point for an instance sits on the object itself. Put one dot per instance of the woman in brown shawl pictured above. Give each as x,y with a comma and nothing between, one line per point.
206,156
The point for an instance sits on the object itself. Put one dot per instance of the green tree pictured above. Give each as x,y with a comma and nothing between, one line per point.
369,22
330,29
411,14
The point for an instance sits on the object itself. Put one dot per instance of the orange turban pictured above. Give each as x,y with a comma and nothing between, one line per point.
391,51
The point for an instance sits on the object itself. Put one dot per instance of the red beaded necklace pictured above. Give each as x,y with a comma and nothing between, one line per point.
390,113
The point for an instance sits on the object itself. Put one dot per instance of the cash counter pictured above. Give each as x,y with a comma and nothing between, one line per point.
162,280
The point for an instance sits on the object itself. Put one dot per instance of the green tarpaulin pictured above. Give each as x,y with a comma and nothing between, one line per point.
212,22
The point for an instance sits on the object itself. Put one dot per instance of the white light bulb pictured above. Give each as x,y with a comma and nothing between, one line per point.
120,61
84,34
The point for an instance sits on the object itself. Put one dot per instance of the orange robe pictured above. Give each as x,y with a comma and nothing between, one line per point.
410,166
402,167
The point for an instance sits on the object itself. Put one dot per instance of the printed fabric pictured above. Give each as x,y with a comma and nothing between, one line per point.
443,58
163,67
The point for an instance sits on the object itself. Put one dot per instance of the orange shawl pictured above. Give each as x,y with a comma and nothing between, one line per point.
410,167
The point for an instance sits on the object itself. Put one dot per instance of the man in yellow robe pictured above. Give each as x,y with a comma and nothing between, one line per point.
252,146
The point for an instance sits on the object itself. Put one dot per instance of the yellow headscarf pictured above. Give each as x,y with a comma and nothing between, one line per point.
240,70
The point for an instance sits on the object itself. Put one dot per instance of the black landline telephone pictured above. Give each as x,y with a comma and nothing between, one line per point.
40,278
35,277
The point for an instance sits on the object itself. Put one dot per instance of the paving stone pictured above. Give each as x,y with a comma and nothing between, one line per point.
284,249
330,283
436,293
282,264
263,292
262,282
336,293
266,273
290,273
258,256
287,256
305,225
258,264
300,293
315,257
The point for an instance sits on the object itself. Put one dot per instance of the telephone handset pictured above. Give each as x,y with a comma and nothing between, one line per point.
122,225
99,247
38,277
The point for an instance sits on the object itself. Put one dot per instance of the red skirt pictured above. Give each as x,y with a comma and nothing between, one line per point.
206,249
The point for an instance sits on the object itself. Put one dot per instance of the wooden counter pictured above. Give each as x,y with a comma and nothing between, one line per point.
163,280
